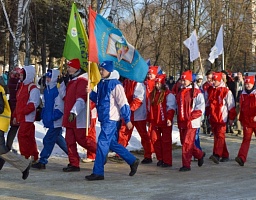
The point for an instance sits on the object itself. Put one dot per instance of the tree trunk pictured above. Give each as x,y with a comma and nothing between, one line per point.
112,11
27,40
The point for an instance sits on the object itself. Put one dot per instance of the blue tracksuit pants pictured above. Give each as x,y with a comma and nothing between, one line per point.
52,137
108,140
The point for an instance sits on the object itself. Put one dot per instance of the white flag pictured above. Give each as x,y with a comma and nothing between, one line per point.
192,44
218,48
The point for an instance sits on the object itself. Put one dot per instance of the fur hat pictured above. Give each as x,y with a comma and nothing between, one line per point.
217,76
187,75
249,79
75,63
107,65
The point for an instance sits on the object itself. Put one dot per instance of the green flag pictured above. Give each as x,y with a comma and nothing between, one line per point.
75,43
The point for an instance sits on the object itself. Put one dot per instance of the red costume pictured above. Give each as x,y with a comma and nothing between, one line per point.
220,106
28,99
247,115
162,108
135,94
191,105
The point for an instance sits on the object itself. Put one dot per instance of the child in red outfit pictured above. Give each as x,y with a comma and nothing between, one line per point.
247,117
191,106
161,108
220,108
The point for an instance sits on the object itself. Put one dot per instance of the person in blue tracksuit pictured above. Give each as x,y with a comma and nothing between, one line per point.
111,104
52,119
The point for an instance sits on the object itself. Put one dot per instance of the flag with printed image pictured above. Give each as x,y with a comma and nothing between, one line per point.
106,42
76,45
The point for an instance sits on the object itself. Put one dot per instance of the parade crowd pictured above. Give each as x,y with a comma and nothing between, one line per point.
217,105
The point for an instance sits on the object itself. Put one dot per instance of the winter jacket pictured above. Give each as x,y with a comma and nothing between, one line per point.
53,108
75,99
5,116
248,109
159,113
110,100
190,107
220,104
136,96
28,98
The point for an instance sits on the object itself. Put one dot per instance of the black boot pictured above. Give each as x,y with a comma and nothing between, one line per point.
94,177
26,173
200,162
146,161
2,161
38,165
134,167
71,168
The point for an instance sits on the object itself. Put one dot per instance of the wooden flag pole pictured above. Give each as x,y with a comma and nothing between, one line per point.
201,65
61,64
61,69
88,99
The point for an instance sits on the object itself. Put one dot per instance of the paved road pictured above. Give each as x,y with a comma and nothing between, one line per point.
211,181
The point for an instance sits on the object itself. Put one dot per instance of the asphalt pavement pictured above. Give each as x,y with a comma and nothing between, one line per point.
211,181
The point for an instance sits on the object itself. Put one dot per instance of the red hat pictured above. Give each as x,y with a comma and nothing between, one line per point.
75,63
187,75
160,78
153,70
249,79
217,76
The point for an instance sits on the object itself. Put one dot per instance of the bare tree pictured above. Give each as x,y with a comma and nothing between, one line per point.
23,6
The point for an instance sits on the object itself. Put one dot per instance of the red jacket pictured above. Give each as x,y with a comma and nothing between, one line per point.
220,103
248,109
160,113
24,108
135,94
190,108
75,102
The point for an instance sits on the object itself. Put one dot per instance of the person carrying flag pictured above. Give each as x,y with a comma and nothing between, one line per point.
74,117
111,104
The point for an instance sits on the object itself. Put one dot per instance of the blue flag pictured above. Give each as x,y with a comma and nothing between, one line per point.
106,42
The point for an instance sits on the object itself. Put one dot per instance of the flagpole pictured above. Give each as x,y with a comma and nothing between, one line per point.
223,68
61,68
201,66
88,99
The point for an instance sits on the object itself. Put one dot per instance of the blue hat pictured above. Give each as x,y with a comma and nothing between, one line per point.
49,74
107,65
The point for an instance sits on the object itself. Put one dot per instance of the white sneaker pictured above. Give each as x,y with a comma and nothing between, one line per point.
88,160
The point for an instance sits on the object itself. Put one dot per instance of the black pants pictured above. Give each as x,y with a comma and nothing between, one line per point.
3,148
11,135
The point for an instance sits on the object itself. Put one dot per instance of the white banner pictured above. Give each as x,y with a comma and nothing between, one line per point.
192,44
218,48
